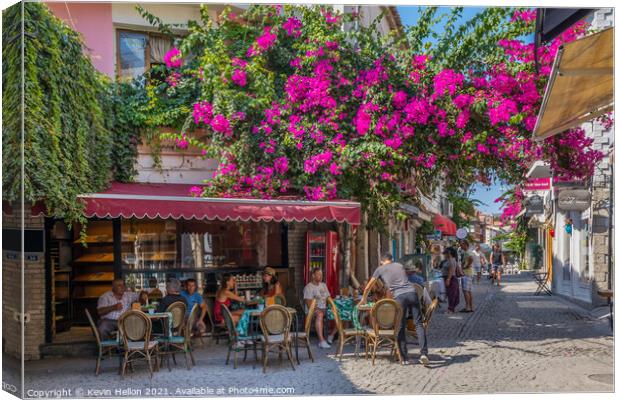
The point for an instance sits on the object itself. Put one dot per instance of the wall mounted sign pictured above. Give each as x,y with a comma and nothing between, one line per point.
534,184
461,233
534,205
574,200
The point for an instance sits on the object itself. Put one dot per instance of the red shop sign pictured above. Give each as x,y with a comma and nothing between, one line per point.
538,184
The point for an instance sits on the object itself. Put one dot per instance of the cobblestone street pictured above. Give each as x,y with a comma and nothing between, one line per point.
514,342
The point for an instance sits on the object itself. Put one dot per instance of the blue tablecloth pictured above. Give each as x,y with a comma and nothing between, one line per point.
243,326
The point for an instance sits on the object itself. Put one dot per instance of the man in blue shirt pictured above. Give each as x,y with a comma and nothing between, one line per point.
415,276
192,297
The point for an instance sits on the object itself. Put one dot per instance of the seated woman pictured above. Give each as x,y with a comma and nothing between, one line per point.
224,296
271,286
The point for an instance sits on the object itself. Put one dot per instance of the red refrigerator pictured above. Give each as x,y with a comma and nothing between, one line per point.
322,251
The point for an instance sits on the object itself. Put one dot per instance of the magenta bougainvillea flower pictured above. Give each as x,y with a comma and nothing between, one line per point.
173,58
239,77
292,26
220,124
323,111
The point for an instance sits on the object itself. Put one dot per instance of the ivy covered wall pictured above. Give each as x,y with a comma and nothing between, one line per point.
77,133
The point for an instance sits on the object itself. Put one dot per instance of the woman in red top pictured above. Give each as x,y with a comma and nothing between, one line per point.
226,293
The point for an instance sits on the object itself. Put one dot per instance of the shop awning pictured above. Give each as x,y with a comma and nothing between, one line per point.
144,200
36,209
444,224
581,85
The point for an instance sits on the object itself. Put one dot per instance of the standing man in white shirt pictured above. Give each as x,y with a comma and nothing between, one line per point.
477,255
112,304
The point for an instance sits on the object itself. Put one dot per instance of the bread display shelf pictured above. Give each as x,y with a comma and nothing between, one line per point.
129,258
96,258
94,239
95,277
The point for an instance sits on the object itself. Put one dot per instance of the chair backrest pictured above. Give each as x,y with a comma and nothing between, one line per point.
429,311
337,320
178,310
189,322
386,314
309,316
93,326
210,305
230,324
275,320
279,299
419,290
135,326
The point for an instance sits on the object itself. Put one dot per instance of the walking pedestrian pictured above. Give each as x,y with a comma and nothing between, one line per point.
482,263
498,260
466,284
478,257
394,277
449,274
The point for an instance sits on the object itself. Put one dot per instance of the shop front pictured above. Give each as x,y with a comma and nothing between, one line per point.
148,233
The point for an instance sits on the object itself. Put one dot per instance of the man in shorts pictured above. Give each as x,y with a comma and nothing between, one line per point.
498,260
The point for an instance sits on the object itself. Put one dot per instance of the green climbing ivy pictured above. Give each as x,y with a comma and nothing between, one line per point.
80,129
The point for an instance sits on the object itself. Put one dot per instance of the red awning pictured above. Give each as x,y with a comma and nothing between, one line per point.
445,225
167,200
36,209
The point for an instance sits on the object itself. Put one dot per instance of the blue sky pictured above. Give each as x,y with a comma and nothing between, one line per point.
487,195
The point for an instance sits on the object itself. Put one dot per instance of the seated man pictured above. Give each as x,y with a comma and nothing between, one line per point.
317,289
173,294
192,297
112,304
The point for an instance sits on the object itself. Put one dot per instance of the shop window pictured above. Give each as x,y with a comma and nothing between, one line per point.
155,250
230,244
138,52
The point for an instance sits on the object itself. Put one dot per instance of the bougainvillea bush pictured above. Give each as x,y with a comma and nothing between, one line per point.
293,103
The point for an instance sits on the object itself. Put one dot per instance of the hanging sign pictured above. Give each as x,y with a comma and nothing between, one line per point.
534,205
461,233
574,200
538,184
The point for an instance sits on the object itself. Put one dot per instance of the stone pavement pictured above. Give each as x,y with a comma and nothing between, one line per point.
514,342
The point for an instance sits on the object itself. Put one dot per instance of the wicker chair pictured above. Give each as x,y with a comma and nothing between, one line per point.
344,334
386,316
303,338
178,310
181,343
426,309
105,347
279,299
237,343
217,331
275,323
135,329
